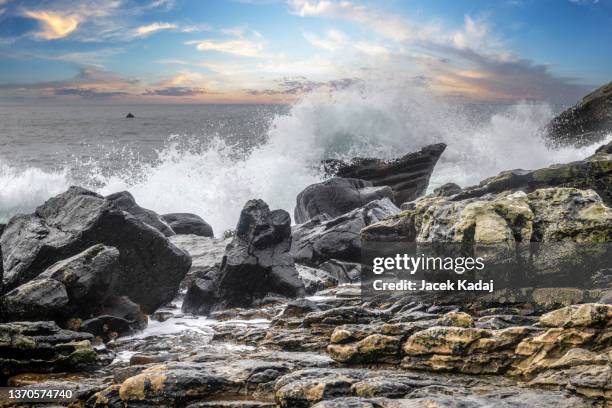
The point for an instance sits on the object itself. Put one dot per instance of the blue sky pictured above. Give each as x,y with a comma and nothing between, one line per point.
274,51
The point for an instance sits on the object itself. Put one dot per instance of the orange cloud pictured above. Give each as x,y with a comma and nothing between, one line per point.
54,25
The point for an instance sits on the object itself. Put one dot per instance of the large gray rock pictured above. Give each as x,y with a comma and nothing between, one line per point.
126,202
151,267
586,122
324,238
74,287
408,175
336,196
186,223
256,263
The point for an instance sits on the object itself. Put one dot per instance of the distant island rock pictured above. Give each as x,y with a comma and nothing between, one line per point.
586,122
130,116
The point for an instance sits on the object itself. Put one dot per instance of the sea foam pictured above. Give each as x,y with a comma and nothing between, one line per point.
214,179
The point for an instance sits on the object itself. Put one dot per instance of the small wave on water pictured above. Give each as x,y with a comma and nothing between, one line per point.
214,179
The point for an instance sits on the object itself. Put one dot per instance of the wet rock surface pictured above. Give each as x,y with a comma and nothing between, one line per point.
205,253
126,202
587,121
323,239
188,224
151,267
336,196
299,359
66,289
256,263
408,176
43,347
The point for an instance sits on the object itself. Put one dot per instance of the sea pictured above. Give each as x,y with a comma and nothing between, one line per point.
211,159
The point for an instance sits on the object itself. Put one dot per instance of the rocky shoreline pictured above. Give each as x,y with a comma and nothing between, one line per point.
129,308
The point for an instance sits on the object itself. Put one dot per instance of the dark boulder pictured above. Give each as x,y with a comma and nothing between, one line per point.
336,196
71,287
124,308
202,292
74,290
323,238
256,263
130,116
586,122
42,347
185,223
408,175
126,202
150,267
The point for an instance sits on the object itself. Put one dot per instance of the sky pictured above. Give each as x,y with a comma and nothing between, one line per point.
266,51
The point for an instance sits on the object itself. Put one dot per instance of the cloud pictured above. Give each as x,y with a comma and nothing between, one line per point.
176,91
87,92
53,25
470,60
183,78
301,85
161,4
97,21
386,24
172,61
196,28
93,82
241,47
511,78
333,40
370,48
90,81
149,29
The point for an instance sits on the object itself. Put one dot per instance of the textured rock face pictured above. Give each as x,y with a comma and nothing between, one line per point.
360,388
407,176
531,243
151,268
43,347
322,239
316,279
205,253
126,202
256,263
594,172
74,287
544,234
587,121
569,348
185,223
335,197
545,215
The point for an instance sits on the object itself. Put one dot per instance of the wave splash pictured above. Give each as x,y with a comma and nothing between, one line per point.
214,179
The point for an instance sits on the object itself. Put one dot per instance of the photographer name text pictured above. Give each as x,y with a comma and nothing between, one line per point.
423,285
